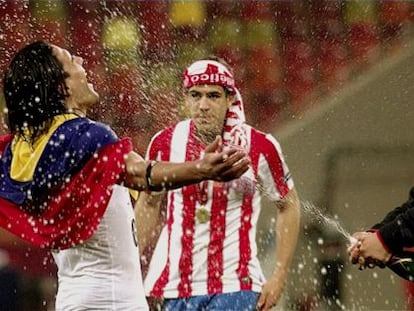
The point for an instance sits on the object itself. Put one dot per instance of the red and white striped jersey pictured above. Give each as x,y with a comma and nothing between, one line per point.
217,255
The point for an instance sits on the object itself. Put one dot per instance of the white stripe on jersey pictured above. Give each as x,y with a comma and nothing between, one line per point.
177,154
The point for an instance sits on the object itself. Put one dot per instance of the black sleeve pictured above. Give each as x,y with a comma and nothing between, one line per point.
396,211
397,228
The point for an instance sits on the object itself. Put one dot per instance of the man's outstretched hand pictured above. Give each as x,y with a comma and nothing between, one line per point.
223,165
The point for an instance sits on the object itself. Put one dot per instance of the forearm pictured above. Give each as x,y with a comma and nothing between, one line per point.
223,166
393,214
166,175
287,232
396,231
162,175
399,233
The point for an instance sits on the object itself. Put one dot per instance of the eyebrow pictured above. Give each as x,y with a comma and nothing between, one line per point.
209,93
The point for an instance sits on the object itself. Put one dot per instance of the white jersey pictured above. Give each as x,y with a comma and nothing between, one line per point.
199,255
103,273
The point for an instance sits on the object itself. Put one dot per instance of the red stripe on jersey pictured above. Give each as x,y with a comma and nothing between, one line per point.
244,244
161,144
158,289
271,154
217,235
185,264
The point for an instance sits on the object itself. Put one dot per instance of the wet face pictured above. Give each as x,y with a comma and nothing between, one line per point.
82,95
208,105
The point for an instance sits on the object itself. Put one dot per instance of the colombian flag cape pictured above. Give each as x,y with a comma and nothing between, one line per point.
57,198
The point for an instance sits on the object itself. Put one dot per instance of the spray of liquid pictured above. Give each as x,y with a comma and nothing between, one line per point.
317,215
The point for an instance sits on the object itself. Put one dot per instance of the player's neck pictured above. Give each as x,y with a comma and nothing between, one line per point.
206,137
75,109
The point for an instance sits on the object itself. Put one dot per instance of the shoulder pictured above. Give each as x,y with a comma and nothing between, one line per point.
164,136
165,141
262,141
88,127
83,131
103,129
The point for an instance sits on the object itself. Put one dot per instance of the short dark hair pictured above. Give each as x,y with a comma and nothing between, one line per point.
34,90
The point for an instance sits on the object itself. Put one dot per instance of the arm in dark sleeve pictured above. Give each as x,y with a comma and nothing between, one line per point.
397,228
393,214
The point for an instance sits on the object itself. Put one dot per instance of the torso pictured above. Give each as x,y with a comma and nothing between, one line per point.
103,273
219,255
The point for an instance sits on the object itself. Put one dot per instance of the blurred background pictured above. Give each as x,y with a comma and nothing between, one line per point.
333,80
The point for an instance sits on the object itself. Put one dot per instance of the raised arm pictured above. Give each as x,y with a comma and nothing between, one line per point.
150,175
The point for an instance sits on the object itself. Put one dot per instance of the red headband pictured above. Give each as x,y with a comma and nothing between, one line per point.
208,72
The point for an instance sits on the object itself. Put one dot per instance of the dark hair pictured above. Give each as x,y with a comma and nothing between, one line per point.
34,90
